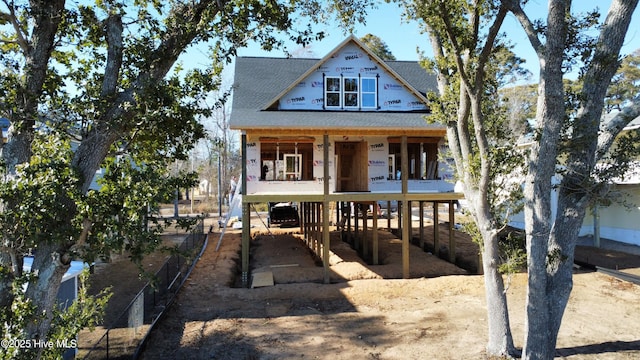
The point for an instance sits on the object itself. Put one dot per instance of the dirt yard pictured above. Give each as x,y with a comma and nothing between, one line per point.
369,312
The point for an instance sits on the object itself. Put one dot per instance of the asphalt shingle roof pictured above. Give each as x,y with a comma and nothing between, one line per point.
258,80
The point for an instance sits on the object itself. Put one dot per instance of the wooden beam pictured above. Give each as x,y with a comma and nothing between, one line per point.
287,139
414,140
254,134
351,196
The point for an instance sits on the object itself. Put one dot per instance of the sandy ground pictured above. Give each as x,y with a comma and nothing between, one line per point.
369,312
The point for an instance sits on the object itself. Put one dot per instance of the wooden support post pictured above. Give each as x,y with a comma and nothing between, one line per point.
319,229
375,234
246,243
400,213
314,209
365,229
326,240
410,221
452,240
436,230
246,220
389,215
310,227
350,235
405,242
307,224
405,207
356,229
421,210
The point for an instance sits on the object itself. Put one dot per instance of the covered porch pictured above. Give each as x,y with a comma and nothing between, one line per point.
316,221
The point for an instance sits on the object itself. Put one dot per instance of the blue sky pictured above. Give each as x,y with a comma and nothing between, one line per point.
403,38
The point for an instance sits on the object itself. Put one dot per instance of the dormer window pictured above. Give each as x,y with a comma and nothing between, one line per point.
350,92
333,92
368,89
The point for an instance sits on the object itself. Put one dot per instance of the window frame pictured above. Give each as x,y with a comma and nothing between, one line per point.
327,92
341,93
354,93
374,92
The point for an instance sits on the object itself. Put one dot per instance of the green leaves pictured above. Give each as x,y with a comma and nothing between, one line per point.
625,85
85,312
41,196
98,86
377,46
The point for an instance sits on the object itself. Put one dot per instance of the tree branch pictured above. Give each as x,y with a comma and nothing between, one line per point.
184,26
527,25
457,50
588,146
611,129
485,54
113,30
13,19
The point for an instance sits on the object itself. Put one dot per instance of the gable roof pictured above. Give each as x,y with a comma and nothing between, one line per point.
376,59
261,82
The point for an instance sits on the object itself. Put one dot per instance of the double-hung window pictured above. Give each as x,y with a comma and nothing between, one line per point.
332,92
350,92
368,89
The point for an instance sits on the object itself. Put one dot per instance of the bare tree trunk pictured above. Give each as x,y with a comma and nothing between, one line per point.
459,135
542,166
51,268
551,241
500,339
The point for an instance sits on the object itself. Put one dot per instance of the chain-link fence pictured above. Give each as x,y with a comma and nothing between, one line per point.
126,335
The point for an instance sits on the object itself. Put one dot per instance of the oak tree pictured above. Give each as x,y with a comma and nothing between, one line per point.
102,86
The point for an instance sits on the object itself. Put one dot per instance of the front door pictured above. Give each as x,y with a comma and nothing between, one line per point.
352,167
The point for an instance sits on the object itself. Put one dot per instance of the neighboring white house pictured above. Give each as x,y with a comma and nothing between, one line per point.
620,220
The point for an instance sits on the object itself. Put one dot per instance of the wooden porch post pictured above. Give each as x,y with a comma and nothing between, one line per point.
326,240
356,227
436,230
375,233
421,210
246,221
405,207
452,240
365,220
